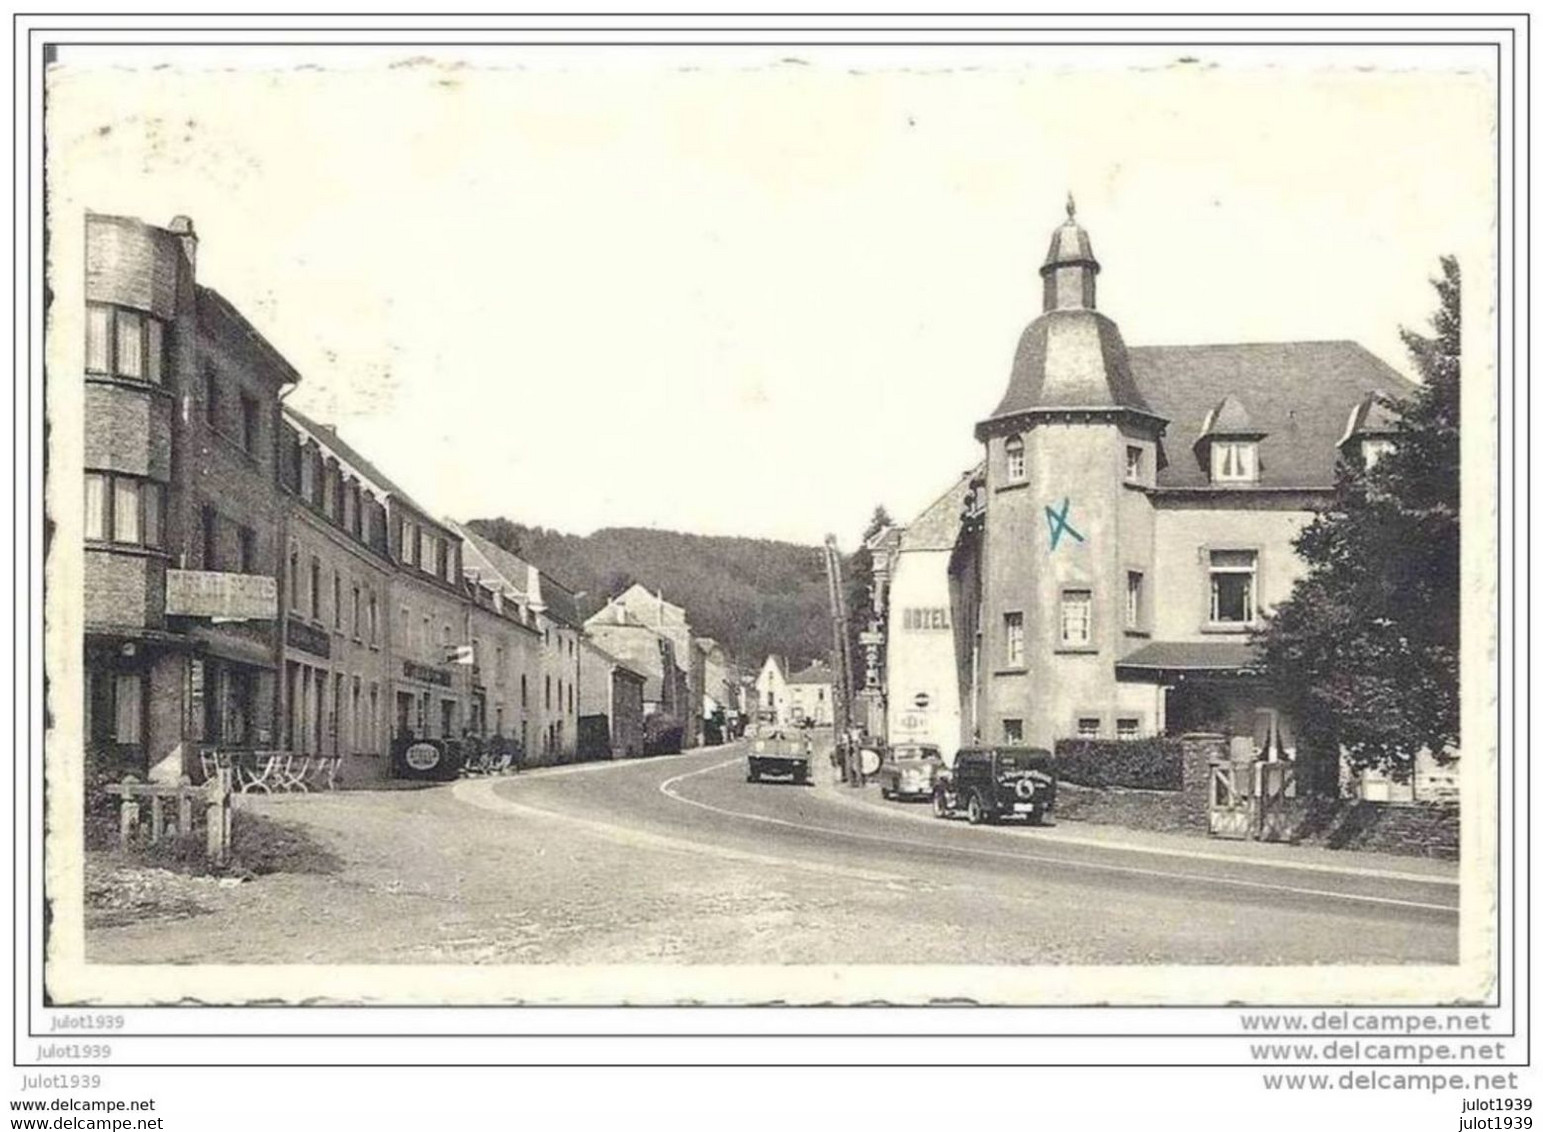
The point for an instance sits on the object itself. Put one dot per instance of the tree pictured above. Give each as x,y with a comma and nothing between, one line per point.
1366,647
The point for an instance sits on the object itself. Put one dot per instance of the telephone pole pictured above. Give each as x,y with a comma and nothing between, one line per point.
841,662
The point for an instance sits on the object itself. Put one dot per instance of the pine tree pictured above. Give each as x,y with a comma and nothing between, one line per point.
1366,647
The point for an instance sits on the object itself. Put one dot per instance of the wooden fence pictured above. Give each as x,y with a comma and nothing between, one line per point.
172,811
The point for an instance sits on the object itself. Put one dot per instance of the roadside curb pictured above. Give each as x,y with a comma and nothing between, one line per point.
1442,872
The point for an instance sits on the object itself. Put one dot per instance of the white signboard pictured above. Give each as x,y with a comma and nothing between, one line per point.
231,597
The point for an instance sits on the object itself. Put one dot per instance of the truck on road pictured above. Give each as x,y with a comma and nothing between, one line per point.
777,756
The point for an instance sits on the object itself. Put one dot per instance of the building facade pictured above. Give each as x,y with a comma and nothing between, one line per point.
921,677
809,696
182,516
669,621
1133,521
640,647
610,705
549,690
337,585
771,692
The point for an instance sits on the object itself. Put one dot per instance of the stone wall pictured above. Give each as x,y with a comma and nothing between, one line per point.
1159,811
1421,829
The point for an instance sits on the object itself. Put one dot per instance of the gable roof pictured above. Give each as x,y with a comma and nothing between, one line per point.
937,528
1299,395
817,673
329,436
559,602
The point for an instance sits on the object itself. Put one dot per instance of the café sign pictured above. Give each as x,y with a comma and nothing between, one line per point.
423,672
229,597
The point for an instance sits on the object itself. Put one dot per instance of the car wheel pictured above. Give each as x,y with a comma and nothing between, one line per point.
975,811
939,805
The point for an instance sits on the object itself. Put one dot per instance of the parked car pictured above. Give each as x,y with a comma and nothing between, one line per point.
909,770
990,783
778,757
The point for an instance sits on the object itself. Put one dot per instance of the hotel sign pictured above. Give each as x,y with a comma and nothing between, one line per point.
229,597
924,619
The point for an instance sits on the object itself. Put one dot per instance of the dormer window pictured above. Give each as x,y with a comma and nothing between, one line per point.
1234,461
1229,443
1016,466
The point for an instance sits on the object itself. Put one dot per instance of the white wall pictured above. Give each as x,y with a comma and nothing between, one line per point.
920,653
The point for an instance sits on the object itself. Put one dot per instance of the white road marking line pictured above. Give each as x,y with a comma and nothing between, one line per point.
1058,836
667,789
479,792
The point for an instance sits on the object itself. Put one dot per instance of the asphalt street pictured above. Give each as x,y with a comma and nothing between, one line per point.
1003,894
680,860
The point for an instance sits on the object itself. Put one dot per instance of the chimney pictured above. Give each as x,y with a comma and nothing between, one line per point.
182,228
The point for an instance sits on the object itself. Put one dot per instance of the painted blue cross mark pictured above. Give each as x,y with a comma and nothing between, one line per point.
1059,524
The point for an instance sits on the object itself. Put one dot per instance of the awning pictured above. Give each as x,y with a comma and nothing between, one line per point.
227,646
1168,662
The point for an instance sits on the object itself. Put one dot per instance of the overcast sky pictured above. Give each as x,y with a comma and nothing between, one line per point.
755,295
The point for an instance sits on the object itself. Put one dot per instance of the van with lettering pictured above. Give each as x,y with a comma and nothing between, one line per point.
988,784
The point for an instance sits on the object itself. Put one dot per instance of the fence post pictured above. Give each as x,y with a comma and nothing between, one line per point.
216,819
128,812
184,806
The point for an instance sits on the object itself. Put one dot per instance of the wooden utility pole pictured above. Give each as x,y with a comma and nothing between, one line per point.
841,662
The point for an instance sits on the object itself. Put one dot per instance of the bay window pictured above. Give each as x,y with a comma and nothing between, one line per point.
121,342
125,509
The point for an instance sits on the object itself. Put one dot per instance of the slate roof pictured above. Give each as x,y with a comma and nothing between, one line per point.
561,603
816,673
1371,417
1073,358
559,600
328,435
1298,394
1229,418
937,527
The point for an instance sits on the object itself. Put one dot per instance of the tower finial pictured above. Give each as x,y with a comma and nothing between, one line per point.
1071,206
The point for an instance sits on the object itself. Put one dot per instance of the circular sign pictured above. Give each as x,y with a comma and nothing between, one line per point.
922,699
421,756
868,760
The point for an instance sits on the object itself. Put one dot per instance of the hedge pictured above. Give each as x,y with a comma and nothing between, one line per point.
1141,764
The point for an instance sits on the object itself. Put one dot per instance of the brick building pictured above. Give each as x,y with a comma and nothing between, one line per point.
181,507
337,586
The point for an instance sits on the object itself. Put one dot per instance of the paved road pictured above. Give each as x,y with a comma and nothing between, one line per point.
907,887
680,861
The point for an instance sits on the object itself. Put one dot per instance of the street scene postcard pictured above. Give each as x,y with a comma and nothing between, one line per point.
733,525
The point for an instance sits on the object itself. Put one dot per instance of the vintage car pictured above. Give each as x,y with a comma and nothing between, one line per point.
990,783
777,756
909,770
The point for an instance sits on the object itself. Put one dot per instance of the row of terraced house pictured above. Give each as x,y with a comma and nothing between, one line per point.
252,582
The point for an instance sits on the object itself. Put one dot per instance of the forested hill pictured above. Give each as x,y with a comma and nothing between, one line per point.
753,596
